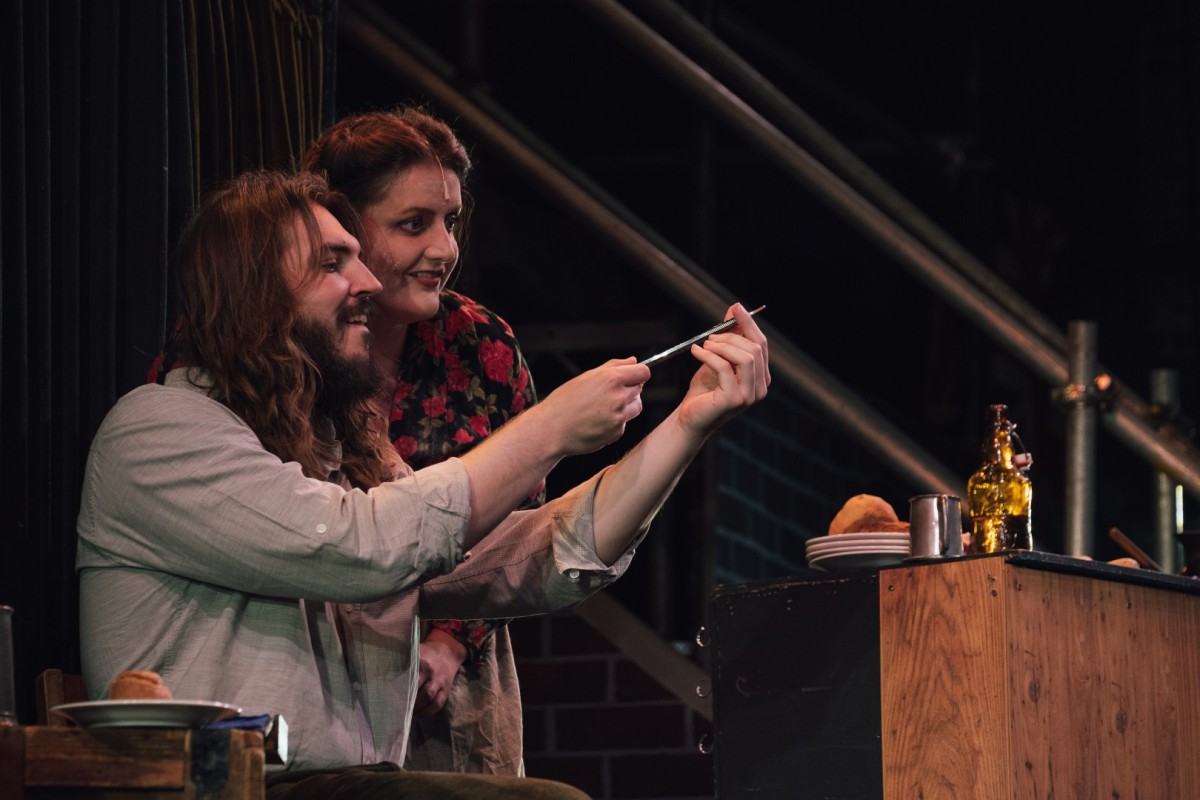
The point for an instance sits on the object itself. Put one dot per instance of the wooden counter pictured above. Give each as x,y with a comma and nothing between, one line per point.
56,762
1013,675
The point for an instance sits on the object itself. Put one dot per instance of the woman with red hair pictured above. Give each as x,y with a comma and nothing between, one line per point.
453,373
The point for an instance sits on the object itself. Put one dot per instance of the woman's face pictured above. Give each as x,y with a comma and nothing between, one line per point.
410,241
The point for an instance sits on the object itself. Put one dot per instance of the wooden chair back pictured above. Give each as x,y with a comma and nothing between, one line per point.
54,687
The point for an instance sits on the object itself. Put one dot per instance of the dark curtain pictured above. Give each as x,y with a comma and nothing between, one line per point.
262,76
113,115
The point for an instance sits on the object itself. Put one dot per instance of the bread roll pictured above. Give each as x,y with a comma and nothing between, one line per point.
138,684
864,512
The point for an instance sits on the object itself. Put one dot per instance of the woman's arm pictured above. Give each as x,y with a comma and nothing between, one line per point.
734,374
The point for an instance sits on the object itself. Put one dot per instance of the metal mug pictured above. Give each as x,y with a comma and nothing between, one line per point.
934,526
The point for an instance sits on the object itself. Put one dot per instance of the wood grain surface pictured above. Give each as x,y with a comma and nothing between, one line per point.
152,764
1003,681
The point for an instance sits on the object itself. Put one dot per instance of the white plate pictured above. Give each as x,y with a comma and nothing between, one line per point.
862,548
898,536
828,546
859,559
146,713
820,547
856,551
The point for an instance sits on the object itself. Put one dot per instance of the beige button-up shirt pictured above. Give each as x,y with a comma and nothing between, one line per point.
207,559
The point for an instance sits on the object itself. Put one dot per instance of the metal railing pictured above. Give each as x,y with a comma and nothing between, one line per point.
866,201
377,33
862,198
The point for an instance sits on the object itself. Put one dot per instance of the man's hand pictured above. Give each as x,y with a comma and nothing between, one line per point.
581,416
734,375
441,657
590,410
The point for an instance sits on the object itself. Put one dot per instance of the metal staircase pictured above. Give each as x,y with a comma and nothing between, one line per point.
749,105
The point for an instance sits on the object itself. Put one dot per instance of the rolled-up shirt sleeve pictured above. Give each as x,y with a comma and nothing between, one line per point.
535,561
177,482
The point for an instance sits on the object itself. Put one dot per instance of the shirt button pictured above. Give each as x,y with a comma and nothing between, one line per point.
321,528
357,687
573,574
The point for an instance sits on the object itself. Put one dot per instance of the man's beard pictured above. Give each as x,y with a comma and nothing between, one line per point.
345,381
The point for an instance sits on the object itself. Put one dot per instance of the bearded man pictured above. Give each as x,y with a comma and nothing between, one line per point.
247,531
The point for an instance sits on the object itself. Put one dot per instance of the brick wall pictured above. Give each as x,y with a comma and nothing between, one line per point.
782,472
593,719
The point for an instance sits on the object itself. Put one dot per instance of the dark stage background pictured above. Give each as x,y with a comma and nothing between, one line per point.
1060,146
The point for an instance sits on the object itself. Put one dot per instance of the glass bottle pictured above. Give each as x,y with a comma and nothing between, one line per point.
999,494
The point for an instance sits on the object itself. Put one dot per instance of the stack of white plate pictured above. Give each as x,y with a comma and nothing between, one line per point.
856,551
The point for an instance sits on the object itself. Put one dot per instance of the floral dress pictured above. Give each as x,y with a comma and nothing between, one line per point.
461,376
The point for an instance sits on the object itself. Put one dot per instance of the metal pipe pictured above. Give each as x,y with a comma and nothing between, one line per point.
753,86
1177,461
686,281
836,193
1164,394
1125,422
1080,512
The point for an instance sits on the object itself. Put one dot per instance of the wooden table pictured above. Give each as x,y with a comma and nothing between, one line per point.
56,762
1012,675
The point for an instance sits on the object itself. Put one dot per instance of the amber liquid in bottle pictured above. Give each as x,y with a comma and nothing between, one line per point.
999,494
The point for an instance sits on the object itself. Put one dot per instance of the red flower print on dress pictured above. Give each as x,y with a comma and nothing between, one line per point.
405,446
437,347
403,390
474,312
456,628
479,424
478,634
497,360
427,332
434,406
457,321
458,378
462,436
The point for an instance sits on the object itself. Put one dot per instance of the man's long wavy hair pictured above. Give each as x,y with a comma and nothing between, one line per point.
239,316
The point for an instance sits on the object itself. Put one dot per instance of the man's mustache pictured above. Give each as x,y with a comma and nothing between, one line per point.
360,306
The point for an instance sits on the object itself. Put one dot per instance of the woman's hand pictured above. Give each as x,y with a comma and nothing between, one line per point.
441,657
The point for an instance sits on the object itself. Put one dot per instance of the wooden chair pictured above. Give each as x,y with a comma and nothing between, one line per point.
53,687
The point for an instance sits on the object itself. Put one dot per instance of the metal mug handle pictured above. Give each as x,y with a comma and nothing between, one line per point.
952,526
